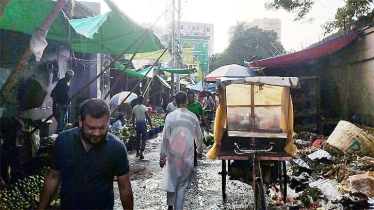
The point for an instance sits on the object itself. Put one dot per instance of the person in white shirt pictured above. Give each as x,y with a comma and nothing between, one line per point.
140,113
181,130
208,102
216,100
172,106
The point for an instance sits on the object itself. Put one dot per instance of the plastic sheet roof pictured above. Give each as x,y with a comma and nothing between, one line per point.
307,54
108,33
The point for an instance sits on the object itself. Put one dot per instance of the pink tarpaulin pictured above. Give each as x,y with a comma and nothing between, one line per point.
307,54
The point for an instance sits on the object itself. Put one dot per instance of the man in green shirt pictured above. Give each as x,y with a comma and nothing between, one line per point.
195,107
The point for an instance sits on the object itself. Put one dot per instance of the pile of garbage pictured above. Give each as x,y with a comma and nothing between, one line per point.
326,175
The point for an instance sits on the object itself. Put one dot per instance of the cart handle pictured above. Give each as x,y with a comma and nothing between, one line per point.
239,151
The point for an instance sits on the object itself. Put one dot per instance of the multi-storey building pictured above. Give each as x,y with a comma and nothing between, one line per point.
200,46
194,29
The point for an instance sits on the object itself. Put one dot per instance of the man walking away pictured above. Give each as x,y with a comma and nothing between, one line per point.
60,96
85,161
140,113
181,130
172,106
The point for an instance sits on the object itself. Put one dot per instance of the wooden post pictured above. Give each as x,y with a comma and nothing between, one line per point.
3,5
27,54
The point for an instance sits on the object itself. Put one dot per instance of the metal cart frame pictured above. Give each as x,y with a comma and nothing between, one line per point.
257,155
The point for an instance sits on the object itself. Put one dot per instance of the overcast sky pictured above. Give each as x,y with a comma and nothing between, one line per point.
225,13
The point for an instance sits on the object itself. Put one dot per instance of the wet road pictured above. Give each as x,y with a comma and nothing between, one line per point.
203,193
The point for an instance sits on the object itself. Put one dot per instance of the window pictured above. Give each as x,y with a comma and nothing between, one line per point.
195,58
208,29
196,45
193,27
181,26
204,45
197,28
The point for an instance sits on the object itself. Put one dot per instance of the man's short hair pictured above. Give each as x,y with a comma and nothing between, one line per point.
180,97
190,92
95,107
70,72
140,99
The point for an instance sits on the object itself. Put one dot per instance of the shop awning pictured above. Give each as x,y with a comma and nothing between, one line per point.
307,54
144,71
163,82
128,72
108,33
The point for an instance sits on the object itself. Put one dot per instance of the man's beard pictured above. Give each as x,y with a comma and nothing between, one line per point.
88,138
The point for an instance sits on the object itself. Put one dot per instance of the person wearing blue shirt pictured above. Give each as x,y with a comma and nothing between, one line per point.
85,161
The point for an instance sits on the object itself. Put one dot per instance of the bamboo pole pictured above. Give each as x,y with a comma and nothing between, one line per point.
123,101
5,89
102,72
126,66
94,79
132,57
3,5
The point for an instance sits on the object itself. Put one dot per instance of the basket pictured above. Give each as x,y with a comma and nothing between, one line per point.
349,138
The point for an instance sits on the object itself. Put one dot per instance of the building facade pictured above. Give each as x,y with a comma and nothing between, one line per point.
194,29
201,51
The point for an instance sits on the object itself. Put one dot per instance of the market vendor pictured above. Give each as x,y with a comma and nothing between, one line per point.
118,123
60,96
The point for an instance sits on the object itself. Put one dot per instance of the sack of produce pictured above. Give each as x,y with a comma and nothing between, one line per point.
351,139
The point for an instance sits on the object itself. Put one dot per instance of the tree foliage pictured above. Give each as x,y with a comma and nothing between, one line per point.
353,11
245,44
301,7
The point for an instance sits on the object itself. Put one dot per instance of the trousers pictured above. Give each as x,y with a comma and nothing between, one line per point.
176,198
141,129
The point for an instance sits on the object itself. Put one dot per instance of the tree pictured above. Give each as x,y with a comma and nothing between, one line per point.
345,17
301,7
245,44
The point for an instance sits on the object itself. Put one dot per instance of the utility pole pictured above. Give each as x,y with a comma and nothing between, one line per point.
178,45
173,48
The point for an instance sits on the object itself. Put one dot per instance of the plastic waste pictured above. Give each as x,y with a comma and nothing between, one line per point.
319,154
301,163
330,191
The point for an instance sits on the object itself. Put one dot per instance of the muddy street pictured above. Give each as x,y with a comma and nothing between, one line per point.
203,193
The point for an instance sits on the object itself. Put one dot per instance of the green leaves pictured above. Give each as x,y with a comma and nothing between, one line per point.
246,43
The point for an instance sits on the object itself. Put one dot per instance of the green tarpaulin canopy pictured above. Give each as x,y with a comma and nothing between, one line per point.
179,71
108,33
128,72
170,70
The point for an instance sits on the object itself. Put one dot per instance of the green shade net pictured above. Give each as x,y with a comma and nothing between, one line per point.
108,33
128,72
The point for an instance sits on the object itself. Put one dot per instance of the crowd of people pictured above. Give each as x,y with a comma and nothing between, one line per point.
88,157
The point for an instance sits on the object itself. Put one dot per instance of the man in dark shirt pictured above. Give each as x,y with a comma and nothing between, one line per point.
60,95
85,161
